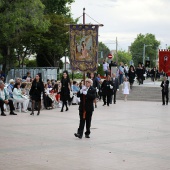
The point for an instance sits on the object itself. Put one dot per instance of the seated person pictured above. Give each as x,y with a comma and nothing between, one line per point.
48,102
4,100
20,97
10,87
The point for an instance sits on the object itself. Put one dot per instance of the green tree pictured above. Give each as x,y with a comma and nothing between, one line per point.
124,57
54,43
137,48
19,19
59,7
103,49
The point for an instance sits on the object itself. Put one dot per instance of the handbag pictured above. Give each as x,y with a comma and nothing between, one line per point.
24,97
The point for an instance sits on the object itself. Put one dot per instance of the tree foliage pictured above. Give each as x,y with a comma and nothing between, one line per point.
124,57
55,42
33,26
59,7
20,21
103,49
137,48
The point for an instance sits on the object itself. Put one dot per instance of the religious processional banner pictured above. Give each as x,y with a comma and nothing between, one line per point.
164,61
84,47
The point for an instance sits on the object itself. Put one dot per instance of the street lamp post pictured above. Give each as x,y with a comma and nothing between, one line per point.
144,52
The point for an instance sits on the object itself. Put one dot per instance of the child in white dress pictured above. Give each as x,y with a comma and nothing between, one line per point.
126,88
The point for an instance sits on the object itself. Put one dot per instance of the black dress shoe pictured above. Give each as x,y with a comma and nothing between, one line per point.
32,113
12,113
87,136
104,104
67,109
3,114
163,104
38,113
166,103
78,135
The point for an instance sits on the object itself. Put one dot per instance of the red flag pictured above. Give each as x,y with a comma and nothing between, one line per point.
164,61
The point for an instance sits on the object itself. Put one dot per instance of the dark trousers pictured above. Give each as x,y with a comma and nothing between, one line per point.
165,95
87,120
108,99
113,97
11,105
64,102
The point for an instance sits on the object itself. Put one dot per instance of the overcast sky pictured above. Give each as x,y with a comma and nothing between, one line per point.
125,19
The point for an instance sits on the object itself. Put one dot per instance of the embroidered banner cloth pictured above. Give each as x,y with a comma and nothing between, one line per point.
84,47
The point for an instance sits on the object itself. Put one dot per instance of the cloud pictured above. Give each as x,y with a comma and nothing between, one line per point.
127,18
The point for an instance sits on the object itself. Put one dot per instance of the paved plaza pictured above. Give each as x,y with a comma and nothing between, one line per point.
126,136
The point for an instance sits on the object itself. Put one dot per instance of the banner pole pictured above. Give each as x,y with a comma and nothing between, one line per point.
84,74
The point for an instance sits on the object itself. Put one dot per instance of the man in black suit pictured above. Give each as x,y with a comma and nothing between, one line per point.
115,87
95,85
165,90
87,95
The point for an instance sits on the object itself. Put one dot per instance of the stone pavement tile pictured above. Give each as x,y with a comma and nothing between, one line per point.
125,136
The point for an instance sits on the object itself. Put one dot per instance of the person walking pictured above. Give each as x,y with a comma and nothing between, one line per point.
107,90
105,68
121,73
125,88
36,90
139,73
131,75
65,90
115,87
165,90
95,85
87,95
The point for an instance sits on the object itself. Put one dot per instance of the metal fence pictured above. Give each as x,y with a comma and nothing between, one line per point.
46,72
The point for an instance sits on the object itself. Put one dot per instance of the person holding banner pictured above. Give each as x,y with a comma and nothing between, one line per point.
87,95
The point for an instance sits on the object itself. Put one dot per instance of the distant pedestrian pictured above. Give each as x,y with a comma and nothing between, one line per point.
105,68
95,85
65,90
107,90
131,75
139,72
125,88
121,73
165,90
115,87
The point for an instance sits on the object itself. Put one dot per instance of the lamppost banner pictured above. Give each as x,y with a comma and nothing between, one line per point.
84,47
164,61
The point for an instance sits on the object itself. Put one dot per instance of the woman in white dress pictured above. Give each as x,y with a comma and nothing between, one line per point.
20,97
126,88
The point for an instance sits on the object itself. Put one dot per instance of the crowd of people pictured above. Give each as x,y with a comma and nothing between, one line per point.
140,72
32,94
